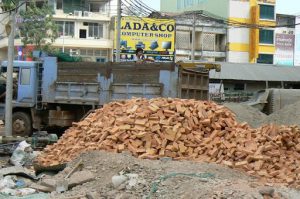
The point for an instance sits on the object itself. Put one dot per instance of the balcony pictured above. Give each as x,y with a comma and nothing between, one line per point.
87,43
81,16
69,42
201,53
4,42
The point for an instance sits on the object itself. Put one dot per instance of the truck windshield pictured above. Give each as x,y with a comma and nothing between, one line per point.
3,75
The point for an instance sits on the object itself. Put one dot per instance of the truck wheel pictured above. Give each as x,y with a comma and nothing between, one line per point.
21,124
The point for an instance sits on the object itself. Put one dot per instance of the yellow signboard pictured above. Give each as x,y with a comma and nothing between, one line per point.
155,36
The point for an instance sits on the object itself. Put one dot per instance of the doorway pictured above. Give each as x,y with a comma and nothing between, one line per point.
82,33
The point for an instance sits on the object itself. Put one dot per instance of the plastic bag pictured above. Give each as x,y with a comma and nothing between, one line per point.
25,191
21,154
7,182
8,191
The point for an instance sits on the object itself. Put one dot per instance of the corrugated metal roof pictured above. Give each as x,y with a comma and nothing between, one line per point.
256,72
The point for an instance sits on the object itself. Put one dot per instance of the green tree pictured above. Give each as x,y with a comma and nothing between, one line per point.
7,5
38,27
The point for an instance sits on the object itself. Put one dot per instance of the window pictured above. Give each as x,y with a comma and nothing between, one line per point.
94,7
90,52
179,4
25,76
266,36
95,30
83,52
267,12
69,28
102,60
188,3
38,4
239,87
59,4
265,59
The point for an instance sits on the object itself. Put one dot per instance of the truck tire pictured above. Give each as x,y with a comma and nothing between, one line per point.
21,124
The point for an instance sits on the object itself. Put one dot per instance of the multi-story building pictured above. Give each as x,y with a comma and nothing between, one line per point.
250,36
84,28
199,38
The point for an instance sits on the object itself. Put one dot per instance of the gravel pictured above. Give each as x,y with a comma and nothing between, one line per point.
170,179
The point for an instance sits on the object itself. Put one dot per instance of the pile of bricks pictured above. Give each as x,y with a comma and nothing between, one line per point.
184,130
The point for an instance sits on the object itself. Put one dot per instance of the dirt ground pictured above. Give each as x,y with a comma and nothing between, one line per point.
178,179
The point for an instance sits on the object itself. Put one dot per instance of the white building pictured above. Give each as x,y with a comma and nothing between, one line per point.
84,28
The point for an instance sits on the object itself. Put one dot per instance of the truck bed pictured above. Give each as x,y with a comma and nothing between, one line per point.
100,83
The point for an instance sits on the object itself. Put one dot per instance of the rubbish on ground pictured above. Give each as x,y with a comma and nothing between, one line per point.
79,164
7,182
19,171
117,180
22,155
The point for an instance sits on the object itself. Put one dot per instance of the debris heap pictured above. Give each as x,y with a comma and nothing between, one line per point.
183,129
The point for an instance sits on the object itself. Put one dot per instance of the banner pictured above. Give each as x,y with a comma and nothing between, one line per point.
297,43
284,54
155,36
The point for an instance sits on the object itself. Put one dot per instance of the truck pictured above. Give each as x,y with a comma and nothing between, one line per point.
56,94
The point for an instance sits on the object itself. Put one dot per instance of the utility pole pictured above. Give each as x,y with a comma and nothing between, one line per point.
193,38
118,32
9,76
63,47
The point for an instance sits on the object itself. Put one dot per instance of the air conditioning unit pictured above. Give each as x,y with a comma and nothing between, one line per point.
77,13
87,14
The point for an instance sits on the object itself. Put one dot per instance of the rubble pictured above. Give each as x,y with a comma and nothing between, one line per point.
214,179
80,177
183,130
268,191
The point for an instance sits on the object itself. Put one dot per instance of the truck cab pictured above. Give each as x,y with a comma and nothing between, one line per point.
24,95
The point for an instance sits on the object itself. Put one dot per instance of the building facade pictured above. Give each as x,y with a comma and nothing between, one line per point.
84,28
250,36
200,39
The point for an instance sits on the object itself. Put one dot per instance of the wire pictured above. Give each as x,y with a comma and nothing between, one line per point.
143,6
134,13
132,5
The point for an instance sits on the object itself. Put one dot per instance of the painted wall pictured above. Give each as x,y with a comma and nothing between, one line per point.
238,35
239,9
238,57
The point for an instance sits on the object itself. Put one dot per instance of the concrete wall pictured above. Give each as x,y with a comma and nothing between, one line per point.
239,9
238,57
238,38
238,35
250,86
